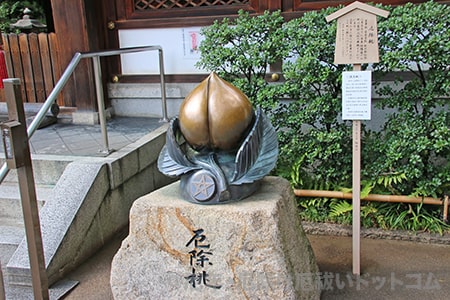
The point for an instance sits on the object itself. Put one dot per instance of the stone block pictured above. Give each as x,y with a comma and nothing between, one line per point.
124,166
251,249
149,152
85,117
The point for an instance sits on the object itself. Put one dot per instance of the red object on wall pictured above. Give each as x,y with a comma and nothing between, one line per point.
3,70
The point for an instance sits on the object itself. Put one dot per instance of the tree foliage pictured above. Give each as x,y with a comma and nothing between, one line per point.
242,50
12,10
416,136
313,132
306,107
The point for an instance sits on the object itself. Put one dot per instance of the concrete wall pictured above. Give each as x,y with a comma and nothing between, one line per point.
144,100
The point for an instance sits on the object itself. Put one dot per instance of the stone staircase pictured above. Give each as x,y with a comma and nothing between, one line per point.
83,201
11,217
47,170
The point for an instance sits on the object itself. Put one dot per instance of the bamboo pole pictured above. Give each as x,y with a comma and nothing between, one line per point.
370,197
445,215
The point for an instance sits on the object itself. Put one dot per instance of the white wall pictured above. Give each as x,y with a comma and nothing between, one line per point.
179,48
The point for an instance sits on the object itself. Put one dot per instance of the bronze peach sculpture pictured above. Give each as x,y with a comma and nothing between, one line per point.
219,145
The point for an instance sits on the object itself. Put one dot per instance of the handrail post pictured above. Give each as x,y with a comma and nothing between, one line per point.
100,102
54,94
17,155
163,86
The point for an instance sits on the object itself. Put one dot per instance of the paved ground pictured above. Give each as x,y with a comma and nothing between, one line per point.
389,270
87,140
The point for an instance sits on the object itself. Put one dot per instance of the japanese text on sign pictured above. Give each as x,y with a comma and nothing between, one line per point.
357,39
356,95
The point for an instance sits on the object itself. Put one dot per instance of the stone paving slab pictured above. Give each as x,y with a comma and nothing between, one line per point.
87,140
57,291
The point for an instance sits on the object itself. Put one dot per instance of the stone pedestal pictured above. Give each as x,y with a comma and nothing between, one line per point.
252,249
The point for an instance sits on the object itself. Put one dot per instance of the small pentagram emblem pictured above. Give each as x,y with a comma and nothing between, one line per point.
203,186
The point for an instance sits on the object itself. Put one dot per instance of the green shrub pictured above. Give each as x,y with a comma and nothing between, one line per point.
410,155
242,50
313,134
416,137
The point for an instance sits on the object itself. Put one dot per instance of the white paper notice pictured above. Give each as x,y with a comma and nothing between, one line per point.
356,95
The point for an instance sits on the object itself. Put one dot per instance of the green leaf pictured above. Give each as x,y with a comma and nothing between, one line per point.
340,208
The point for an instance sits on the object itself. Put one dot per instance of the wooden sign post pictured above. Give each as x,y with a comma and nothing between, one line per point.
356,43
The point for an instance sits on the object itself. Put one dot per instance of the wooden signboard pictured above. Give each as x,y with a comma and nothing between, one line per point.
356,43
357,34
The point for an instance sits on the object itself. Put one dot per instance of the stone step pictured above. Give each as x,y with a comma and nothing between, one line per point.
10,203
138,100
10,237
12,229
47,169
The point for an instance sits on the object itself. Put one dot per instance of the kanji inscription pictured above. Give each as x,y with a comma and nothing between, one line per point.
356,38
199,260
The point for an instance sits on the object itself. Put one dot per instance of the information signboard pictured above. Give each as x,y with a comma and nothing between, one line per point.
356,43
357,33
356,38
356,95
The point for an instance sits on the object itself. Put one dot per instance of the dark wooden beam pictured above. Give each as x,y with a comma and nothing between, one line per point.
75,34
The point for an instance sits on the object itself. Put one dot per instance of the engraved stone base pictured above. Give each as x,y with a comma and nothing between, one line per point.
252,249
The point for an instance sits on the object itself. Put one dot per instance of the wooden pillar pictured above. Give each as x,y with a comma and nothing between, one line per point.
77,31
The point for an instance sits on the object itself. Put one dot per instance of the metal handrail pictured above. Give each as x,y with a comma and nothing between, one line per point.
99,90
